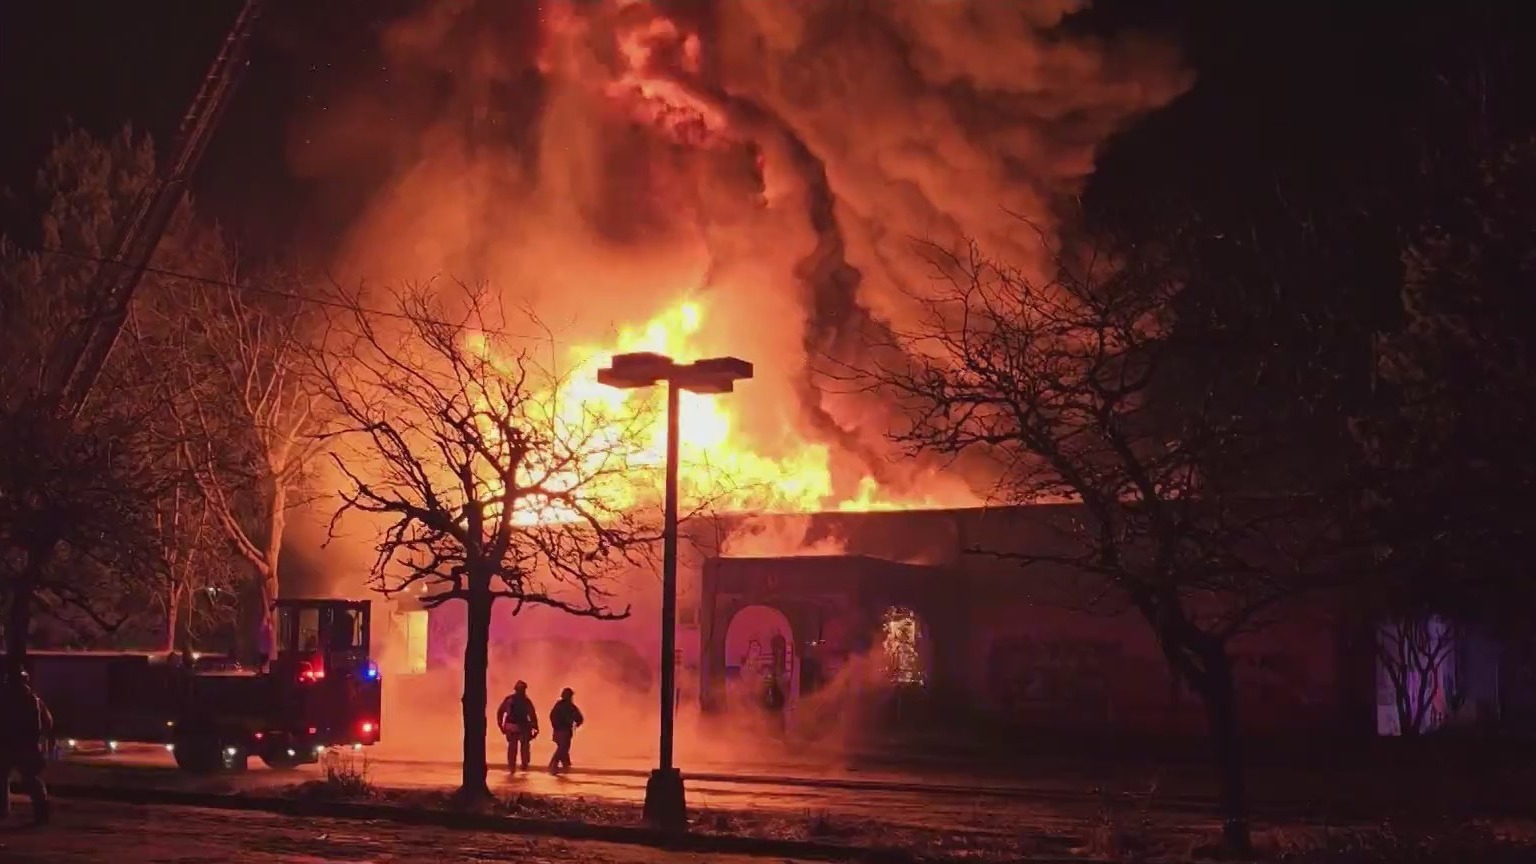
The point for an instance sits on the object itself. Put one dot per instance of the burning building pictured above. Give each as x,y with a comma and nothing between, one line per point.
875,609
696,179
747,179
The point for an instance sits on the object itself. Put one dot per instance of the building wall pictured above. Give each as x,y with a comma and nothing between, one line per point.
1013,640
1039,664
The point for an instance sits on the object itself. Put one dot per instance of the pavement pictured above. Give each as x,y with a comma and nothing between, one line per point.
1054,808
103,833
906,805
1299,791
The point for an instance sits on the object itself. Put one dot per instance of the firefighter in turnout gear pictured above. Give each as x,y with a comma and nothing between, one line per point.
519,721
26,737
564,718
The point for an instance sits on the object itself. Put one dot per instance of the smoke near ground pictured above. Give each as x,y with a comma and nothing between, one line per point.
619,702
772,162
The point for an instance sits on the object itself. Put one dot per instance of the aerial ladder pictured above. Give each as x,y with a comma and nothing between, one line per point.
83,353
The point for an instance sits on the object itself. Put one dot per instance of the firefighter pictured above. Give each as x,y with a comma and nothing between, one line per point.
519,721
773,705
25,739
564,719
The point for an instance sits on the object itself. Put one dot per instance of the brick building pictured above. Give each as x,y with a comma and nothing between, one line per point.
1026,646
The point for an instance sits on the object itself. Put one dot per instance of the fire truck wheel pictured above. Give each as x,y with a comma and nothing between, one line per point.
285,759
199,754
207,754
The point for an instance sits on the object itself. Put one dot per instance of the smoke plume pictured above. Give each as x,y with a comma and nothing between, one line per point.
778,160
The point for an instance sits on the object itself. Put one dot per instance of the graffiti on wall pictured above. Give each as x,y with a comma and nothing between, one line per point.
1029,677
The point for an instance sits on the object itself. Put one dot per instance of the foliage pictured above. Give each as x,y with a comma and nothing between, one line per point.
85,186
76,510
1448,437
79,496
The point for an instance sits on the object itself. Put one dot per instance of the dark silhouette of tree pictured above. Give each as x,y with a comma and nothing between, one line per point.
1447,439
485,486
84,186
76,521
1082,386
77,495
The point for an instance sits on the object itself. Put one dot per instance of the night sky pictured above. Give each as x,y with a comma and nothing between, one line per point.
105,64
1309,89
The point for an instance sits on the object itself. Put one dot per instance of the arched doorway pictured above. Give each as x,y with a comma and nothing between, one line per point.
759,647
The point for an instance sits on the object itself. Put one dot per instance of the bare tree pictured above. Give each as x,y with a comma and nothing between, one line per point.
1078,387
197,573
246,417
1414,652
487,485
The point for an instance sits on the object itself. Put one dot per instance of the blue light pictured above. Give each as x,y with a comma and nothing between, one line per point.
372,671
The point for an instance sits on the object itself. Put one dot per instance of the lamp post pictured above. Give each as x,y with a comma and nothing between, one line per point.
665,804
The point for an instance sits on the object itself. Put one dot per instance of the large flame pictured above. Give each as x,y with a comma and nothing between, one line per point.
719,469
779,156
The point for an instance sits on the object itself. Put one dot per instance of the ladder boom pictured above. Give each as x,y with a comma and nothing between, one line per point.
117,278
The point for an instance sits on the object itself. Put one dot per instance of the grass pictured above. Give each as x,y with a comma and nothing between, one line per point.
346,778
1432,841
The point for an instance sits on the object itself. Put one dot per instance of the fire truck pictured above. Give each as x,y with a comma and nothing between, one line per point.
321,690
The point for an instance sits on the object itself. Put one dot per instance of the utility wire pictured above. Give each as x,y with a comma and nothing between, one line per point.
279,292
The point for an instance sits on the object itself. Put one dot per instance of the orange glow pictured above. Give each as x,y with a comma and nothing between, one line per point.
719,468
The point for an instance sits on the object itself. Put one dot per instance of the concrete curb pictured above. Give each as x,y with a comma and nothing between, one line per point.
722,844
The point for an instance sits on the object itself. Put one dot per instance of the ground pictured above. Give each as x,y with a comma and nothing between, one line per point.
95,833
917,803
1301,790
1049,809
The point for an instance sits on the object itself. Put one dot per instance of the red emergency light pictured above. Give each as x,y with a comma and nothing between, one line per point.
309,673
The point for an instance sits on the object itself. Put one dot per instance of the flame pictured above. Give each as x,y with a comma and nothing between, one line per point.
718,466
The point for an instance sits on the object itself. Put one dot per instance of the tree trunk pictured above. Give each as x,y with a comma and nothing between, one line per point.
277,519
1219,693
476,667
18,625
172,618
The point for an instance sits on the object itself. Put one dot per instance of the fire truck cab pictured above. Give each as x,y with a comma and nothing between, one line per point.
322,689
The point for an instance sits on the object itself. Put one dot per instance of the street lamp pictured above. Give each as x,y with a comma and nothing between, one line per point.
664,801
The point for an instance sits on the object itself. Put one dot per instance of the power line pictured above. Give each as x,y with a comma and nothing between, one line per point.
290,295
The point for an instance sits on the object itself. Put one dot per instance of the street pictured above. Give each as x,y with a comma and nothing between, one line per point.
904,806
1048,790
97,833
